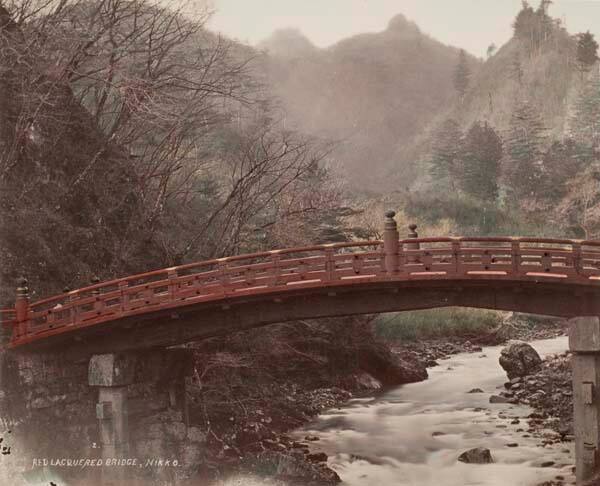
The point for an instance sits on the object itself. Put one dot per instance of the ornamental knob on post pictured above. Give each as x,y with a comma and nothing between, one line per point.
95,280
391,243
412,246
22,306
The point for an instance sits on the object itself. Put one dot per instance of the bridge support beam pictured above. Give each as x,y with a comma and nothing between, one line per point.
584,342
111,373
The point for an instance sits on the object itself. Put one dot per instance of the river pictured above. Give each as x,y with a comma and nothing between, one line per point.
413,434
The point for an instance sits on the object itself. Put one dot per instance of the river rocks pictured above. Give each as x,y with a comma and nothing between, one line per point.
365,381
292,468
498,399
519,359
317,457
479,455
475,390
549,392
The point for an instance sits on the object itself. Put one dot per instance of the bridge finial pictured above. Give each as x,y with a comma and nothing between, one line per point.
390,243
413,231
95,280
390,222
22,288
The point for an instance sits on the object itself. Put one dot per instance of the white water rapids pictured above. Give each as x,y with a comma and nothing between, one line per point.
412,435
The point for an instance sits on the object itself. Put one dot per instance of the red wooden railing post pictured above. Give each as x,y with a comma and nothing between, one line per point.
391,243
412,246
22,307
515,256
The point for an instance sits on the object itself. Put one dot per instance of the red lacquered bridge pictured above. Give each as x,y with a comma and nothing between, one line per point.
189,302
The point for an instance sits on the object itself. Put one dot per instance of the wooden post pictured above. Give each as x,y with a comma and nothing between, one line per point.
412,246
584,343
391,243
22,307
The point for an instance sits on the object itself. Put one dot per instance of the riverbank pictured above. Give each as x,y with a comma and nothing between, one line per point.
249,390
266,383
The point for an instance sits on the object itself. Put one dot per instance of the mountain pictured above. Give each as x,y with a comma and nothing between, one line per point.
287,43
371,92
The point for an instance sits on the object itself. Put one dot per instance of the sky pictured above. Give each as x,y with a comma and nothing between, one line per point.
470,24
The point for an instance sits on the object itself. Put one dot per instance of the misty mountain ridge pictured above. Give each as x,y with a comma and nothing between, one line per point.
371,92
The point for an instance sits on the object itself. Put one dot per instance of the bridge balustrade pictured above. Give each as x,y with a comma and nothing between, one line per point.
318,266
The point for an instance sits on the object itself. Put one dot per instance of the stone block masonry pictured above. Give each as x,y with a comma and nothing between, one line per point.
130,406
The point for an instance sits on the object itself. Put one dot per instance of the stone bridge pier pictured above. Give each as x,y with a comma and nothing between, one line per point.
584,343
125,414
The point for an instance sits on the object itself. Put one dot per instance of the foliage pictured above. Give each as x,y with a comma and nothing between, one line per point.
525,143
534,27
587,50
464,215
136,139
444,164
462,74
585,122
481,156
580,208
436,323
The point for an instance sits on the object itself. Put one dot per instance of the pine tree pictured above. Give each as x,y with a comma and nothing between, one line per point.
585,123
587,50
524,143
534,27
561,161
481,156
491,50
517,69
462,74
544,20
523,24
444,165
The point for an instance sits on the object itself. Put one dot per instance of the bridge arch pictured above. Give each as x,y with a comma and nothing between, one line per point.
557,277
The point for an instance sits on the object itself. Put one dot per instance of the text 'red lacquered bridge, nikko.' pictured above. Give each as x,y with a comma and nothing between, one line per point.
450,263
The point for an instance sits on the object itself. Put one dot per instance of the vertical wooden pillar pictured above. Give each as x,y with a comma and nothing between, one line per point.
22,307
391,243
584,343
412,246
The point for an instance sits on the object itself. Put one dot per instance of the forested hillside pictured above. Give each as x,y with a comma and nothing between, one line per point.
371,93
517,151
132,138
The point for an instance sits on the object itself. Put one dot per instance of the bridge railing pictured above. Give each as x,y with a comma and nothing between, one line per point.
203,281
552,260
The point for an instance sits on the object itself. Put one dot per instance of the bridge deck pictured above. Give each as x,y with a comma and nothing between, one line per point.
573,262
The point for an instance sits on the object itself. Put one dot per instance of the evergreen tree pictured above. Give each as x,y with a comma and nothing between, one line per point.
585,123
524,143
587,50
523,24
561,161
481,156
544,20
462,74
444,165
491,50
534,27
517,69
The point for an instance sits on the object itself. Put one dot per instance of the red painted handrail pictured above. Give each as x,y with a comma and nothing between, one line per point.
548,259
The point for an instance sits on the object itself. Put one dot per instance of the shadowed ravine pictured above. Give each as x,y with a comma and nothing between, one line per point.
412,435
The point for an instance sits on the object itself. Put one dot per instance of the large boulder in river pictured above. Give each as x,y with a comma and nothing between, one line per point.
519,359
479,455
